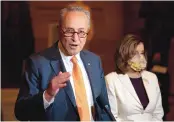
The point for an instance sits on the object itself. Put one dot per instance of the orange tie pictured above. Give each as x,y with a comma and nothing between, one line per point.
81,97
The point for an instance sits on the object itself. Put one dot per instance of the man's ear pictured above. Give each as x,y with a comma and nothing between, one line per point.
91,31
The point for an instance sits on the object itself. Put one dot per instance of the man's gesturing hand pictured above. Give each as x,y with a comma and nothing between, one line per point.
55,84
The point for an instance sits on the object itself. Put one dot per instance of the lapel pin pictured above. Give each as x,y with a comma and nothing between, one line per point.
89,64
145,81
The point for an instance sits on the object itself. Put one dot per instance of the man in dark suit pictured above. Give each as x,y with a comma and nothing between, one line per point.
64,82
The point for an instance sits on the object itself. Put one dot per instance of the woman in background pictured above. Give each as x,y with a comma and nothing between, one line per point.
133,93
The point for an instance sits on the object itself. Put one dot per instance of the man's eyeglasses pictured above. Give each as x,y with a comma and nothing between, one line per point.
71,32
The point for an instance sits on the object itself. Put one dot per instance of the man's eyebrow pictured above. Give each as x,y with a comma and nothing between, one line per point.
69,28
81,28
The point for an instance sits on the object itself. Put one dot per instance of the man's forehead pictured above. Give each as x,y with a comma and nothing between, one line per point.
75,19
72,15
75,13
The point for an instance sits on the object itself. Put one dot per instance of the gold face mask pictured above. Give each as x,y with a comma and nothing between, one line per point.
138,63
135,66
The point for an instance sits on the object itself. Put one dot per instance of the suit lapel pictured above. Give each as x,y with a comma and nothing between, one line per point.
68,88
125,80
149,89
88,66
147,85
57,66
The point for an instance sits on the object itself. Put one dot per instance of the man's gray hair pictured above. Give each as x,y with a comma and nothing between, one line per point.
73,8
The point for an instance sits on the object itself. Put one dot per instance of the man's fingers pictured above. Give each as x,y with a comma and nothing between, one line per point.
62,77
62,85
64,74
60,73
59,81
64,80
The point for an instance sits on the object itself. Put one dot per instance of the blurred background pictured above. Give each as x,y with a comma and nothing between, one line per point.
31,26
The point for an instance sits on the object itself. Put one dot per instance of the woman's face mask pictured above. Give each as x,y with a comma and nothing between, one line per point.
138,62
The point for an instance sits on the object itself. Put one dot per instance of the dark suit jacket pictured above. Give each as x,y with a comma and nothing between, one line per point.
40,69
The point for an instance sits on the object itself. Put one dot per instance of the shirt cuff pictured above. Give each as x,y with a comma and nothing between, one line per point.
46,103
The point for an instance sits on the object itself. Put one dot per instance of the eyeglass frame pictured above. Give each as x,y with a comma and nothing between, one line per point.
74,33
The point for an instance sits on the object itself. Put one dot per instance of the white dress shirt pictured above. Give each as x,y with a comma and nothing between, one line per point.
69,67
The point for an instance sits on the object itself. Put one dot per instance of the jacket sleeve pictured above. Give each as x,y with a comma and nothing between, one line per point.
110,79
29,104
158,112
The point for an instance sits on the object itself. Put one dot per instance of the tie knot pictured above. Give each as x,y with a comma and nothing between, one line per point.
74,59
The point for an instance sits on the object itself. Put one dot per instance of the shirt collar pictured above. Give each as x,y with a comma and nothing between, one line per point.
68,58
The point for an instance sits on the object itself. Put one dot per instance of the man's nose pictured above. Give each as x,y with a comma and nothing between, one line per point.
75,36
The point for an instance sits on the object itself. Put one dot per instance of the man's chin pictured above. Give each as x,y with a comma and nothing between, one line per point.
71,53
